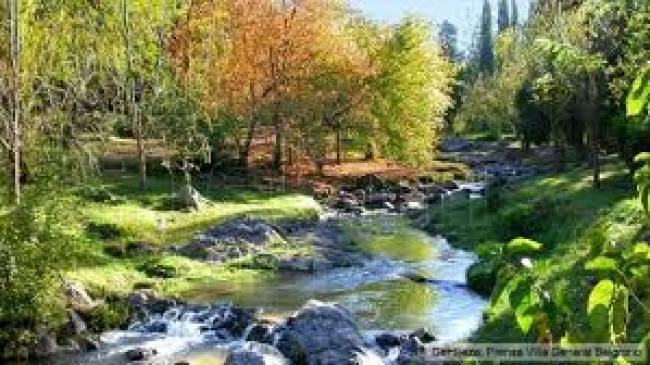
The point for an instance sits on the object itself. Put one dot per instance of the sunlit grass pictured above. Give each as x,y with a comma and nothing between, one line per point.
139,216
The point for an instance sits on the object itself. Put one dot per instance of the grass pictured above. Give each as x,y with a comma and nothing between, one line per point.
580,217
135,216
469,223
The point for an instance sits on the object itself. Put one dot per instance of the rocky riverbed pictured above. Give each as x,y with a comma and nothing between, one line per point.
395,290
306,246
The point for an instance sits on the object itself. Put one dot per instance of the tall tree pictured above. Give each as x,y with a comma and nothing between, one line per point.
503,20
130,82
16,87
413,88
514,18
448,36
486,40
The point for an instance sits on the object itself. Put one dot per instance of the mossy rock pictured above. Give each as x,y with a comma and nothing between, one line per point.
265,262
482,277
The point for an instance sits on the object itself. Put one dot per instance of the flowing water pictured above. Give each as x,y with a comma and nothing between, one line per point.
378,294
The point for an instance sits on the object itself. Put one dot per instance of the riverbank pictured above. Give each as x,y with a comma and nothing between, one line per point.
566,215
381,294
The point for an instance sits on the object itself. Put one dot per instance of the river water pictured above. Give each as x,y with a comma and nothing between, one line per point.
378,294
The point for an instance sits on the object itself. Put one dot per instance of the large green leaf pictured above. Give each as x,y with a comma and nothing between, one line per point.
598,306
637,254
619,313
522,246
639,96
526,303
601,263
643,157
526,311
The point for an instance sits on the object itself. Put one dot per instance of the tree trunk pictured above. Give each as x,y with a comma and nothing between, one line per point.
338,146
142,156
594,142
279,136
246,151
370,152
133,107
252,126
16,98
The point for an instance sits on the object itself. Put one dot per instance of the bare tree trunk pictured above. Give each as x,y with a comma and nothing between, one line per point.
339,158
594,145
14,10
133,107
279,138
245,153
142,155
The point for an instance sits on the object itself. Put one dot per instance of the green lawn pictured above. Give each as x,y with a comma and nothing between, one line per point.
134,216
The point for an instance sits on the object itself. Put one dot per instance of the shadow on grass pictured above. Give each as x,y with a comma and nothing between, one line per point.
160,191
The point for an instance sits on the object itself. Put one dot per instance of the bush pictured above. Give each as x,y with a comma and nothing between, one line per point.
494,197
482,277
108,316
527,219
33,245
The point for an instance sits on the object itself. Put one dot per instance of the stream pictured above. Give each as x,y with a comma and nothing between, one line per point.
378,294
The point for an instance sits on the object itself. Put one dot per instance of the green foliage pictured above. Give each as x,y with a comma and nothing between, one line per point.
34,246
527,219
485,51
107,316
482,276
608,309
642,179
638,99
411,91
522,246
598,305
498,264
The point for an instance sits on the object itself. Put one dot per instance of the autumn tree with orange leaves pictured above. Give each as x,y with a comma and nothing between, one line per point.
302,71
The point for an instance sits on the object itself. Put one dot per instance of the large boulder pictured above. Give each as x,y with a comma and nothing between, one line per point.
237,320
254,353
232,240
78,297
76,325
46,344
321,333
140,354
189,198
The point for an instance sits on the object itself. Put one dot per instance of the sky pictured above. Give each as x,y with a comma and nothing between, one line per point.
462,13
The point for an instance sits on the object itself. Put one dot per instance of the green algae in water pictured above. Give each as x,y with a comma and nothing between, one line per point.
391,237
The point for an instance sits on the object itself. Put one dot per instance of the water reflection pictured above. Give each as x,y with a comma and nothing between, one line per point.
378,294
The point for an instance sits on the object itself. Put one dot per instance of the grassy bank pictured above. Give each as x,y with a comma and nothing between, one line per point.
565,214
116,220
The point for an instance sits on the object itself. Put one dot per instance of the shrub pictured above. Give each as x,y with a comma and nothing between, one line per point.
527,219
108,316
33,245
482,276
